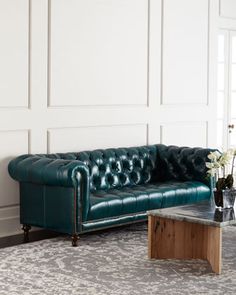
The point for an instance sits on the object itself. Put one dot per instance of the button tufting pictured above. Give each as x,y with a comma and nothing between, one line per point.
115,167
123,178
135,176
137,163
126,165
110,179
97,181
102,168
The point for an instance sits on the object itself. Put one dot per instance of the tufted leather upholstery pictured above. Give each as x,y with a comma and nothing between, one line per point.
107,187
144,197
117,168
174,163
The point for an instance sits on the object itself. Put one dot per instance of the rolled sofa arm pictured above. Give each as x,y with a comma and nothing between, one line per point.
40,169
182,163
53,171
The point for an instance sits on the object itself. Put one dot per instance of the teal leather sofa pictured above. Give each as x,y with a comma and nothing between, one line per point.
79,192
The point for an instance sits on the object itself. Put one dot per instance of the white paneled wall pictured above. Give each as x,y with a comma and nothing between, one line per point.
185,52
227,72
79,74
12,143
228,8
95,137
183,132
98,52
14,53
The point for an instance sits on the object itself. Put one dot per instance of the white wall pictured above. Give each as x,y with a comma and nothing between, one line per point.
85,74
227,9
227,30
227,15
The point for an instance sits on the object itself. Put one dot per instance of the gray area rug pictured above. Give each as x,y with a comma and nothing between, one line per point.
110,262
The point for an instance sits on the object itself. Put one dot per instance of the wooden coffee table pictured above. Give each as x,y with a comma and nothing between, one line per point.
188,232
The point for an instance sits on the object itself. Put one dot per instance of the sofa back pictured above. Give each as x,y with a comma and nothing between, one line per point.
120,167
113,168
182,163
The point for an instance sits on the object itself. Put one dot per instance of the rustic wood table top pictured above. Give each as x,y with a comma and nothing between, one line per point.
202,213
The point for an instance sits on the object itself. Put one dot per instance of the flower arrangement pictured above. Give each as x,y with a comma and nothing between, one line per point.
221,168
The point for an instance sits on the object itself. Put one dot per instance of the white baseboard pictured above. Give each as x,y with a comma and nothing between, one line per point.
10,221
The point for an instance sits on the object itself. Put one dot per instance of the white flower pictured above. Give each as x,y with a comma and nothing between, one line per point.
214,156
220,163
225,159
209,165
212,172
232,152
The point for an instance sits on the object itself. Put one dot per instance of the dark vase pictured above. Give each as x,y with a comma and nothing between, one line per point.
218,197
224,199
229,197
224,215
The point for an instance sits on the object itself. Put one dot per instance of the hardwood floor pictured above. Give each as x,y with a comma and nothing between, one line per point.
33,236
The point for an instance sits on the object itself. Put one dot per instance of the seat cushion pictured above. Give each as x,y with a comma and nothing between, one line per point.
140,198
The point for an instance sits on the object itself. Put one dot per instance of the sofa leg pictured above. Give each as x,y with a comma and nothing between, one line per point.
26,228
75,239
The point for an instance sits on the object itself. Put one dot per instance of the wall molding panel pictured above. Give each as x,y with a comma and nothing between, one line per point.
96,137
14,54
109,26
227,9
185,133
82,75
190,55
